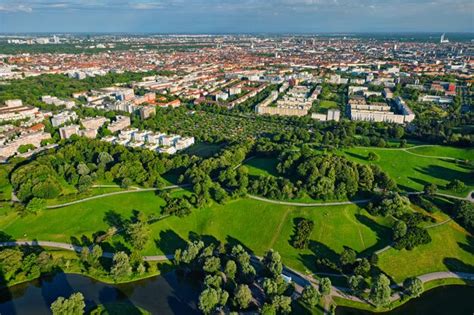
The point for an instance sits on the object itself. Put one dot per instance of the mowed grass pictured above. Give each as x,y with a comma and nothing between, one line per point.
80,219
203,149
452,248
262,166
412,172
327,104
256,225
444,151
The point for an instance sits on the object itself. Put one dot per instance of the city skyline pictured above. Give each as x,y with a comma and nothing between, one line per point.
248,16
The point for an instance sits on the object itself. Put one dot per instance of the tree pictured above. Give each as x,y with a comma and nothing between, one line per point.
325,286
213,281
84,183
372,156
273,264
139,234
242,296
348,256
282,304
302,233
363,267
356,284
456,185
35,205
268,309
10,262
96,254
230,269
85,255
270,287
413,286
74,305
121,266
464,213
399,229
310,296
430,189
212,264
380,291
208,300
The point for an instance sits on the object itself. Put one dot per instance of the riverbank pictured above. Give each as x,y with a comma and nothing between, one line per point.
162,265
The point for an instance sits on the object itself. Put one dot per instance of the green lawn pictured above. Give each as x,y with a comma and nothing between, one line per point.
262,166
203,149
451,249
327,104
412,172
79,219
444,151
257,225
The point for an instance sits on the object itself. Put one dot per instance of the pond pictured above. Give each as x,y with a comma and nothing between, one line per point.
166,294
452,300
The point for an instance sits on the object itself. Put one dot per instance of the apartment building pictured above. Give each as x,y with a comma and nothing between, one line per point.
120,123
15,110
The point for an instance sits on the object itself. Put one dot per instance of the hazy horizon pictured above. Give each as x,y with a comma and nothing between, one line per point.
232,17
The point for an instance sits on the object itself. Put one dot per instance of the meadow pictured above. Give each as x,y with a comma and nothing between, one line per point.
256,225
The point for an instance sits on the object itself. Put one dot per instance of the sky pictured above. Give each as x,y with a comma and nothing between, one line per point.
236,16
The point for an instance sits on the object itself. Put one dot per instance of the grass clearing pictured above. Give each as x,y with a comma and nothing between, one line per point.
203,149
412,172
451,249
262,166
444,151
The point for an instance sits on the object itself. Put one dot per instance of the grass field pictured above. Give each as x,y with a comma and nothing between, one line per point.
262,166
412,172
203,149
254,224
451,248
327,104
444,151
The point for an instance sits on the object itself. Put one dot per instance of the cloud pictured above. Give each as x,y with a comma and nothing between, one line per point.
145,5
15,8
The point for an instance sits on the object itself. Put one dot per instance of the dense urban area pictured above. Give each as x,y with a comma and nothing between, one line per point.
289,174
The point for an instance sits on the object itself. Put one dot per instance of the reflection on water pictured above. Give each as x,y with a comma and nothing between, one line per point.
167,294
445,300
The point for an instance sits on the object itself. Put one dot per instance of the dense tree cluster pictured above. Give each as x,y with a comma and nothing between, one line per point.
464,214
24,264
74,305
321,176
82,161
303,230
228,274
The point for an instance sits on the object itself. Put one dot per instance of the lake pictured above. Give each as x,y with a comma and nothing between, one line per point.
445,300
166,294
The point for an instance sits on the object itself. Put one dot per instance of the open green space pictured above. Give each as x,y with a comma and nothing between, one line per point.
203,149
262,166
412,172
444,151
327,104
451,248
257,225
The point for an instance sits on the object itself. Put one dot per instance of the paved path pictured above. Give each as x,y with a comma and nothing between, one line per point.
75,248
134,190
302,204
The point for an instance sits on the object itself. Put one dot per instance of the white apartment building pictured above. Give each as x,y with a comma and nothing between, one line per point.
67,131
62,118
93,122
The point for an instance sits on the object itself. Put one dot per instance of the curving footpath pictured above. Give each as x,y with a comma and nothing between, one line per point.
134,190
302,204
